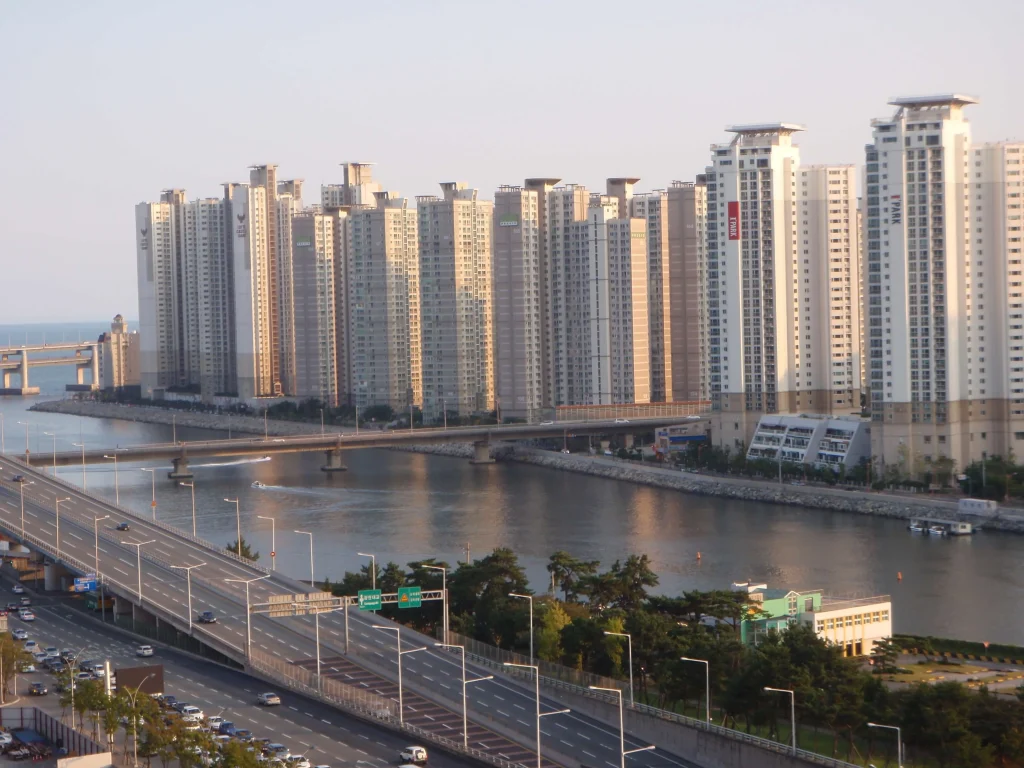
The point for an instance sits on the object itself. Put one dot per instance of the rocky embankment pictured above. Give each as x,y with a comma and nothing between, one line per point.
814,497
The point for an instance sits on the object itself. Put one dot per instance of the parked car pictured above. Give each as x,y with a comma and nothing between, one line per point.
280,751
18,589
52,652
214,721
168,701
27,667
37,689
244,735
68,655
268,699
227,728
192,713
31,646
123,527
415,755
144,650
19,634
6,739
207,617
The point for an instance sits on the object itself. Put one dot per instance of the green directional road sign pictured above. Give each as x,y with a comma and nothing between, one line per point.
410,597
369,599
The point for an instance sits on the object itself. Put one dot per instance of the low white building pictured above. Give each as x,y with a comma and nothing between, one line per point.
809,439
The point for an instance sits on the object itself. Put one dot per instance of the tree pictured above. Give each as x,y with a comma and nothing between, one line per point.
381,413
246,550
12,657
885,654
234,754
566,571
550,622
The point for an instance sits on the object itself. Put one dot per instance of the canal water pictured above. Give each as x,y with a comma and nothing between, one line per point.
403,507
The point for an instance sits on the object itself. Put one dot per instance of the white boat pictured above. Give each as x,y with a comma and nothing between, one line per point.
937,530
916,527
258,484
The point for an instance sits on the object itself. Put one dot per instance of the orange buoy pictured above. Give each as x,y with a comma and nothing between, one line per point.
698,555
899,575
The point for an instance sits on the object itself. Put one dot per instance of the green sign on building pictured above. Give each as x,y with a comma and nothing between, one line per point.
369,600
410,597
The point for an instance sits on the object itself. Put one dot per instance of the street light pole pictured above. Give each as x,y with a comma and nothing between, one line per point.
23,483
153,502
321,421
312,572
707,683
465,682
536,680
238,523
622,728
401,653
373,568
54,436
444,597
117,491
629,645
530,598
192,487
248,617
56,505
273,541
188,578
96,542
138,556
792,709
134,717
899,741
82,446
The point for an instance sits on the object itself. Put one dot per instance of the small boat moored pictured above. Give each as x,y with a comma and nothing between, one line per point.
937,530
258,484
916,527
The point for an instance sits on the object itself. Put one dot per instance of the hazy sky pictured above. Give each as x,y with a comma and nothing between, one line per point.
104,104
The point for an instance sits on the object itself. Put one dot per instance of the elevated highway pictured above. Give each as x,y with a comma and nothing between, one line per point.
332,444
142,566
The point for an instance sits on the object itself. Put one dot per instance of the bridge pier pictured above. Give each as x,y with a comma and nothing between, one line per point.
482,452
333,464
180,470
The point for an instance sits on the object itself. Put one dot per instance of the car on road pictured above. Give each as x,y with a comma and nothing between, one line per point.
83,676
414,755
95,668
622,421
19,634
26,615
144,650
268,699
18,589
31,645
300,762
13,606
280,751
207,617
27,667
192,713
52,652
168,701
56,666
18,479
227,728
244,735
213,722
68,655
37,689
123,527
693,417
25,602
546,423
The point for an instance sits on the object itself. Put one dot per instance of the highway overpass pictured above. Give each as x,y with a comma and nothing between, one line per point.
143,567
332,444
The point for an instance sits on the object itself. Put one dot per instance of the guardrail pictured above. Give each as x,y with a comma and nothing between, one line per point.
362,704
661,714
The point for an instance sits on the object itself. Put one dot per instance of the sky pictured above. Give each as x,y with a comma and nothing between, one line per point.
104,104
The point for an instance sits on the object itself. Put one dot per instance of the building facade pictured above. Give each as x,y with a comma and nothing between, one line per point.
919,223
688,312
158,303
821,441
457,319
383,304
311,276
518,300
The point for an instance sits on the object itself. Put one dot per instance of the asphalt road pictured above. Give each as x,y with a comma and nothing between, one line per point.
302,725
504,702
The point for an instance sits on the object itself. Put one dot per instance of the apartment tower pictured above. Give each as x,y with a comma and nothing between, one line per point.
518,300
314,358
922,317
265,177
687,207
384,304
456,313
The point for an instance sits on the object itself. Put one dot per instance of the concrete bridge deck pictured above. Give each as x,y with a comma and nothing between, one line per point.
333,443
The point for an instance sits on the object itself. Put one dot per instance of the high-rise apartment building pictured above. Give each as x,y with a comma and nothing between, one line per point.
357,187
265,176
383,302
456,312
925,300
828,291
599,291
754,330
119,356
688,316
518,300
255,341
652,208
289,203
156,268
312,287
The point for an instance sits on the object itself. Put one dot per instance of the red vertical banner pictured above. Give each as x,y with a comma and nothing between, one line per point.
734,220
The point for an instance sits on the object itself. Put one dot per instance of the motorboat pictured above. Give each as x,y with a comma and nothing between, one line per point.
937,530
258,484
916,527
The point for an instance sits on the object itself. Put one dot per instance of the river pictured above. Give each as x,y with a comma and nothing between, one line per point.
403,506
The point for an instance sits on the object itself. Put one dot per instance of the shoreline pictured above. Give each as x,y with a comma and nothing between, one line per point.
889,505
